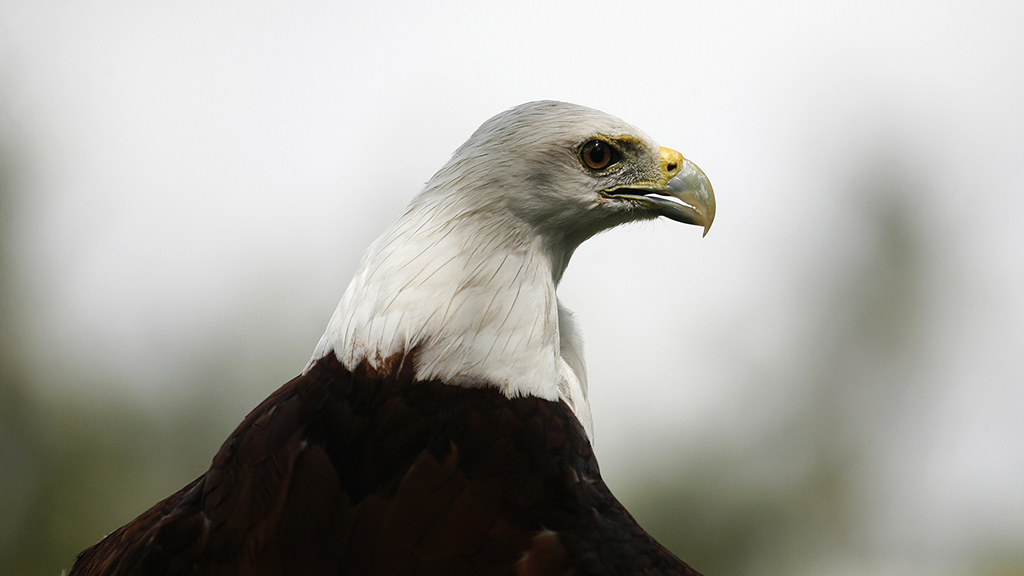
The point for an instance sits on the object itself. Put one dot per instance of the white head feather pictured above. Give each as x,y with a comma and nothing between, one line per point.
466,277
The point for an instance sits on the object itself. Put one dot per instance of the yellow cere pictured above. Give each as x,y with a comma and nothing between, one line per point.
671,163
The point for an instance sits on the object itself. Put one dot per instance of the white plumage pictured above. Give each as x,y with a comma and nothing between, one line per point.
394,452
467,275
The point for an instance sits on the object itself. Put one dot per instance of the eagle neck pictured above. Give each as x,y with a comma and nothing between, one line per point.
468,299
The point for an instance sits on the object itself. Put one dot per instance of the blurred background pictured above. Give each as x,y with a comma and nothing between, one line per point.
831,382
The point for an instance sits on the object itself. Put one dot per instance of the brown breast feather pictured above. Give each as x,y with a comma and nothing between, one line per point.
364,472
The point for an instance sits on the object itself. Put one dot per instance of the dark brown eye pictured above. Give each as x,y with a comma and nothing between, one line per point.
598,155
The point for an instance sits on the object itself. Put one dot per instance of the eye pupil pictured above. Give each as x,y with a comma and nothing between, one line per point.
598,155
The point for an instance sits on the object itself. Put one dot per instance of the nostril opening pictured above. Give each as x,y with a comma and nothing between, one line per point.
671,167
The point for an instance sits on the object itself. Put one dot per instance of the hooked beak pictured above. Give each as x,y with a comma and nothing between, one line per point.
683,193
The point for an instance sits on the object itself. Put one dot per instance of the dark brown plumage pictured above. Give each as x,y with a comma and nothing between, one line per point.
343,472
441,428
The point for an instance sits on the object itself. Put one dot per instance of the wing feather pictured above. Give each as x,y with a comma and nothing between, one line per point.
363,473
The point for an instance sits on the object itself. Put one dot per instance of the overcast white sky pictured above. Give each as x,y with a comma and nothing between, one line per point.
204,174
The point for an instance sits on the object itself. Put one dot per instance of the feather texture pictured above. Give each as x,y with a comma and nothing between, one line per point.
343,472
442,426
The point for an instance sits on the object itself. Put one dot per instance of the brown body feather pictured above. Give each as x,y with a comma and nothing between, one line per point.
343,472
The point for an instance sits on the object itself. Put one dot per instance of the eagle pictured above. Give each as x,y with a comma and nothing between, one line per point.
442,426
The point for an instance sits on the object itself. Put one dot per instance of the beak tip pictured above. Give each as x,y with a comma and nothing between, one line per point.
710,215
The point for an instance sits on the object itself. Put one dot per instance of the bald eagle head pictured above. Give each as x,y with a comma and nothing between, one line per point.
462,284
